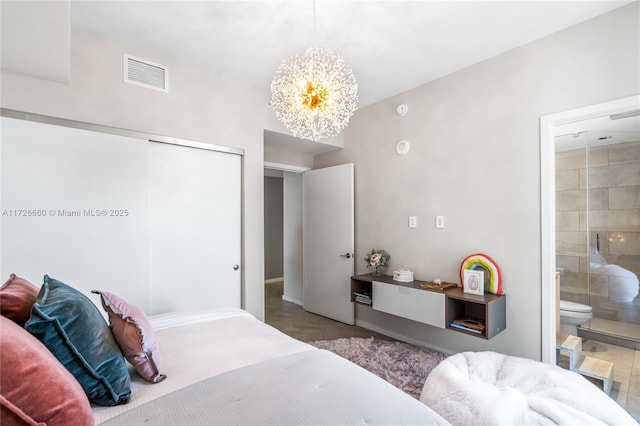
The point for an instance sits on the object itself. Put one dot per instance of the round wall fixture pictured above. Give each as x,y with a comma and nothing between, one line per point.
402,109
403,147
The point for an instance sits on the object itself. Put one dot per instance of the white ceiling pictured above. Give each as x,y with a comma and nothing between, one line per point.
392,46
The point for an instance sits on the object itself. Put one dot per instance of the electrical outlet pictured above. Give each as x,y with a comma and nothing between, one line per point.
439,222
413,222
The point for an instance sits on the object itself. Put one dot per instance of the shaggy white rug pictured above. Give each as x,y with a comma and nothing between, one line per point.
404,366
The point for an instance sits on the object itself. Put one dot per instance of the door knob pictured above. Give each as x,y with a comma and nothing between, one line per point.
347,255
236,267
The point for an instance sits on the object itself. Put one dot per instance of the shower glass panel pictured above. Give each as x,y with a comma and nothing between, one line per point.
614,238
598,234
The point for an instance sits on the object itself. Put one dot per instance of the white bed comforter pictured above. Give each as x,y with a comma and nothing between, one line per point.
197,345
313,387
221,354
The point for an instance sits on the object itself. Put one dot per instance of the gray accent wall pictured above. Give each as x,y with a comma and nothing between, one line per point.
292,237
475,159
273,228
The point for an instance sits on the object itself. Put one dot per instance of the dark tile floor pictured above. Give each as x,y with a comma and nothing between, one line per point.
293,320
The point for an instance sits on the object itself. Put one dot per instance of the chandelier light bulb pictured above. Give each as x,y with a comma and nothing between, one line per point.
314,94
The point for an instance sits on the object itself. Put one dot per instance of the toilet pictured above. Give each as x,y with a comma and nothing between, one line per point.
572,315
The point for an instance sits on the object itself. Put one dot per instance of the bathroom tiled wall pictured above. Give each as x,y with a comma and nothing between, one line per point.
613,179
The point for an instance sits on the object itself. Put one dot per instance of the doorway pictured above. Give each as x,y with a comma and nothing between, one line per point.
273,226
551,127
598,223
289,233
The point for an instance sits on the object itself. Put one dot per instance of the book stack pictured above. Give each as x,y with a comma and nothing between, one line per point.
363,298
472,325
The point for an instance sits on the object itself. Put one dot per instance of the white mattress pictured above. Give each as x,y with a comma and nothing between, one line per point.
314,387
197,345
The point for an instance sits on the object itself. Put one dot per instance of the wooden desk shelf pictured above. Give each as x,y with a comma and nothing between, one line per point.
436,308
490,308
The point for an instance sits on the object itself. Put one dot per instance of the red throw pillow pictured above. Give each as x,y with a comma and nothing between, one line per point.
34,387
17,296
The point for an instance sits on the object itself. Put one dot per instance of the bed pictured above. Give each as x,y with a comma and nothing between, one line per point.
219,366
223,366
63,364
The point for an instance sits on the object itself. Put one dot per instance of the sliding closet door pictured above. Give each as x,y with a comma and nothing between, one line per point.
74,206
194,228
156,224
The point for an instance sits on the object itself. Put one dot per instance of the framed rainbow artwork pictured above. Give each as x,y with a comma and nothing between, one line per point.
492,273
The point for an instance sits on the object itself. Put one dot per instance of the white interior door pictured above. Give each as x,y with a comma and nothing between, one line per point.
328,242
194,228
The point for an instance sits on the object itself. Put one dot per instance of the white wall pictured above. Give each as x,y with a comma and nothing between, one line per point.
281,155
292,237
200,106
475,158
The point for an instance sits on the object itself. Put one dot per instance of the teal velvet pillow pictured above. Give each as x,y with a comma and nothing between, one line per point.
72,328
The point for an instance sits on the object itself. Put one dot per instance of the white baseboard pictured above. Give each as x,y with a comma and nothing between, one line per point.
273,280
400,337
288,299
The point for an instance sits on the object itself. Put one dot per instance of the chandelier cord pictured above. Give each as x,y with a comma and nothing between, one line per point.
315,42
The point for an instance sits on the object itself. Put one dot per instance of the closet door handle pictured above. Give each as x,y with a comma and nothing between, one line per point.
347,255
598,243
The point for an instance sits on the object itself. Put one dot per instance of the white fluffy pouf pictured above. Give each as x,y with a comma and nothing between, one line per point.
489,388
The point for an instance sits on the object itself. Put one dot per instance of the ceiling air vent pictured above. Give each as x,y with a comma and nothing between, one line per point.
145,73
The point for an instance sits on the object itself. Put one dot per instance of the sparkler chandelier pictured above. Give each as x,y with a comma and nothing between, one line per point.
314,94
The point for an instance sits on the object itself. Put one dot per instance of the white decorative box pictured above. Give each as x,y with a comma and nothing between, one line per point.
403,276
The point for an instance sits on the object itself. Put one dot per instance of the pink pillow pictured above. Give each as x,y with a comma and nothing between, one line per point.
17,296
134,335
34,387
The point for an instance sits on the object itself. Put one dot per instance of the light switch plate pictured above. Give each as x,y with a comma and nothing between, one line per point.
439,222
413,222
